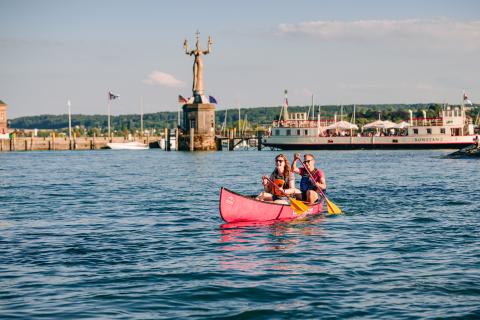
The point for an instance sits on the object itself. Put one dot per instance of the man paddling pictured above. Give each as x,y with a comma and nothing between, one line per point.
308,188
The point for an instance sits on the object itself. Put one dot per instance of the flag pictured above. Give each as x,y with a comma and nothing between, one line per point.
181,99
212,99
465,99
112,96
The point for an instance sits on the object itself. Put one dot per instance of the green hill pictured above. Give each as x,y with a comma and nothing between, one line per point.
259,116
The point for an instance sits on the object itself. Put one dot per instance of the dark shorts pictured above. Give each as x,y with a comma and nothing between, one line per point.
274,197
304,196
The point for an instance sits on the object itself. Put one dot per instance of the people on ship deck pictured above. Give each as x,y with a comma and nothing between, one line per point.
308,188
284,182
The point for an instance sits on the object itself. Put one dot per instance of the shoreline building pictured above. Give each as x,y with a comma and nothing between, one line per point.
3,119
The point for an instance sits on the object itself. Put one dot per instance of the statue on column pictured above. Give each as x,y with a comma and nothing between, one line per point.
197,86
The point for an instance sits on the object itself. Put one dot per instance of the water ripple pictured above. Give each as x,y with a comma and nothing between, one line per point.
137,235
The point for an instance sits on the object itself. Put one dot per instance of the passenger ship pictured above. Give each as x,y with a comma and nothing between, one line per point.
452,129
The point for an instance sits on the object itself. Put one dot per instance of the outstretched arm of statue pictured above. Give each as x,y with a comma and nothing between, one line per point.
209,46
185,46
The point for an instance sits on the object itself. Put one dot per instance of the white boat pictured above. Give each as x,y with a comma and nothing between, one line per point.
452,129
134,145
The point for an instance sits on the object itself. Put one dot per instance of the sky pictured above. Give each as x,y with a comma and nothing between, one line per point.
342,52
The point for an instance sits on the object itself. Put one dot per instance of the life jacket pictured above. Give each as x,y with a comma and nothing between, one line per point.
279,181
306,183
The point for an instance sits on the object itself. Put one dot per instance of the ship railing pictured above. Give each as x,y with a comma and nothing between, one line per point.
301,123
432,122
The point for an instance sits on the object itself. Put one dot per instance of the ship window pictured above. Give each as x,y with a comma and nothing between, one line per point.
395,141
415,131
306,132
289,132
298,132
277,132
442,130
429,130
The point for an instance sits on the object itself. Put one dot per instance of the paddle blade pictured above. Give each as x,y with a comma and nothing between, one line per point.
332,207
298,206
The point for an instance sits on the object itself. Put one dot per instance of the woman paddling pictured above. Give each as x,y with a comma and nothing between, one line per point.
284,180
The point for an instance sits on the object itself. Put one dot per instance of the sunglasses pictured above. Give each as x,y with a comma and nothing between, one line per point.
279,160
307,161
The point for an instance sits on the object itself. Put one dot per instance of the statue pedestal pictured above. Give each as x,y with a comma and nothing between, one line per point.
200,117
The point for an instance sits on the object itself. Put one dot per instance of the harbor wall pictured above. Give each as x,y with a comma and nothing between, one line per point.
52,143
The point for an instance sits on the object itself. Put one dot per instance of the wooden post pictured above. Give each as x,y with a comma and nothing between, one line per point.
26,144
192,139
167,140
93,142
53,140
219,143
176,139
74,141
259,142
231,140
165,134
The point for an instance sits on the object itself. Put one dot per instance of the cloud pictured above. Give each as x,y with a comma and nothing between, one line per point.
375,30
163,79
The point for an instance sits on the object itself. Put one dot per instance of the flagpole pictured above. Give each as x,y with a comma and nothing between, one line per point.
178,115
141,114
225,123
318,120
313,108
69,120
108,104
239,118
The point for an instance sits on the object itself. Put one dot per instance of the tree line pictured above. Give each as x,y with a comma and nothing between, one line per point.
257,117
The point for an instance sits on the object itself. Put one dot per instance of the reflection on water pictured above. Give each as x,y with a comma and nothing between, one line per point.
241,241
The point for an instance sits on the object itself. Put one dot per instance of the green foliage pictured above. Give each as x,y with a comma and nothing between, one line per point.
257,117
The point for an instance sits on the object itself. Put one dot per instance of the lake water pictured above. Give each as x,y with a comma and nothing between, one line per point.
137,235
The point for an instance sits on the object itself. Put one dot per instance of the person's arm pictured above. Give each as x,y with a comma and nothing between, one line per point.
291,184
322,184
294,163
266,184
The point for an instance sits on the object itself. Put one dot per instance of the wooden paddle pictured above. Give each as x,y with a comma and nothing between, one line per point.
298,206
332,207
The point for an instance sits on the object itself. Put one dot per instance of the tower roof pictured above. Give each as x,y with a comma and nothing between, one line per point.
2,103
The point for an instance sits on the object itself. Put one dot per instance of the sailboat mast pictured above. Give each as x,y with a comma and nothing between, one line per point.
69,120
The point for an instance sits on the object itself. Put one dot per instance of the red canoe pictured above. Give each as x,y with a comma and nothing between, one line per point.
237,208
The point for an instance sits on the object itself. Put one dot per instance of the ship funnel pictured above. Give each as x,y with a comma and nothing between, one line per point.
424,117
411,116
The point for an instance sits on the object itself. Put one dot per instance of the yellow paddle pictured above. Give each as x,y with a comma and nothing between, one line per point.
298,206
332,207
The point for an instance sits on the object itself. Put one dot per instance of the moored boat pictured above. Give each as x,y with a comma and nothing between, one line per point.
127,145
451,129
235,207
